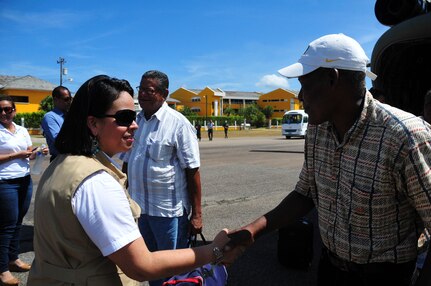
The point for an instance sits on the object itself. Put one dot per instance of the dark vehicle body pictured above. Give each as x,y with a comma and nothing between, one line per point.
401,57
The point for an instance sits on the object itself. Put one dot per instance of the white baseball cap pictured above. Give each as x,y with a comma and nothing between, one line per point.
330,51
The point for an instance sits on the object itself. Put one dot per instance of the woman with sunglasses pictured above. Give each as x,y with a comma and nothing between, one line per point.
84,219
15,189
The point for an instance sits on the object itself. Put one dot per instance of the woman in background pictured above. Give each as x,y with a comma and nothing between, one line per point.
15,189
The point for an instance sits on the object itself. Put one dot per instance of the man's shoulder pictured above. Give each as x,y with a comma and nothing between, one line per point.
404,126
51,115
391,116
174,116
48,114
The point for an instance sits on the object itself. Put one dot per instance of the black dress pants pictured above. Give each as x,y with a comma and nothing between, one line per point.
335,272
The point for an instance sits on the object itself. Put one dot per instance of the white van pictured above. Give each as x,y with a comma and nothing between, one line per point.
294,124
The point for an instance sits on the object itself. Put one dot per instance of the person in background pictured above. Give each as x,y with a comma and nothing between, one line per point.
210,126
198,127
225,128
366,171
84,220
53,120
163,169
15,189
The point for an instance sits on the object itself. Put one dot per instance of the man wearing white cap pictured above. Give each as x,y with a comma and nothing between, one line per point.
367,171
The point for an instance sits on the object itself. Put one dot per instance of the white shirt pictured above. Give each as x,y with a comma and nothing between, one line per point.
164,146
103,210
12,143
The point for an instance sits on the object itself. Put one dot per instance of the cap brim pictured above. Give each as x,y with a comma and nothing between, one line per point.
296,70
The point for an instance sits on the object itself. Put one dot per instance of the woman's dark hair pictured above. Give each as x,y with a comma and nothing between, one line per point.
94,97
8,98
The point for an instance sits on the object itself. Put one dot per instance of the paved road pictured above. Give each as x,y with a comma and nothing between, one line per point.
242,178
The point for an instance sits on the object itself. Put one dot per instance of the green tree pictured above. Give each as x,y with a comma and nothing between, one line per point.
186,111
268,111
253,115
47,104
228,111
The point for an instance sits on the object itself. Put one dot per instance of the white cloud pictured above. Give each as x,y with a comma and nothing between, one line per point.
273,81
31,20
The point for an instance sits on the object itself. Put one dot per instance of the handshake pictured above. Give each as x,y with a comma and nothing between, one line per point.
232,244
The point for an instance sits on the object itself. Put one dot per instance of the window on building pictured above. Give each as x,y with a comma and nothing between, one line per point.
20,98
195,109
196,99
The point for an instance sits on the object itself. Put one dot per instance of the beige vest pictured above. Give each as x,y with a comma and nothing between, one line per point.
64,254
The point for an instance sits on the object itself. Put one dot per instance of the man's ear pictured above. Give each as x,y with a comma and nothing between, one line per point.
333,77
92,124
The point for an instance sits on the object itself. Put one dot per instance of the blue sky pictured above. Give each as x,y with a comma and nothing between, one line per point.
229,44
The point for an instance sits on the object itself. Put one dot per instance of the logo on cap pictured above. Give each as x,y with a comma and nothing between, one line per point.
330,61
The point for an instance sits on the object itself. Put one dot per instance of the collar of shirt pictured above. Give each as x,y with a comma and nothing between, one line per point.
159,114
4,129
58,111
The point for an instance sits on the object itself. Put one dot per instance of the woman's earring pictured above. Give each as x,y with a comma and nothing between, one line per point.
94,146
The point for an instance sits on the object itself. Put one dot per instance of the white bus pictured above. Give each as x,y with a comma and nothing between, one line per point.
294,124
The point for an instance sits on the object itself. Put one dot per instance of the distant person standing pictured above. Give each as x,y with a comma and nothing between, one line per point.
225,128
210,126
53,120
198,130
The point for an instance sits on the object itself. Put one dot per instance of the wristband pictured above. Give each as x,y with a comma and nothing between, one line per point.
218,254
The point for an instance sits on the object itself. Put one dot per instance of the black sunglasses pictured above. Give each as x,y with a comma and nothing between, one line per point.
123,117
7,109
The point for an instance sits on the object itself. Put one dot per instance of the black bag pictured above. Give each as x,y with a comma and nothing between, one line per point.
295,245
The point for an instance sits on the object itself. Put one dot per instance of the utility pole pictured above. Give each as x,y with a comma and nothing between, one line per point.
61,61
206,108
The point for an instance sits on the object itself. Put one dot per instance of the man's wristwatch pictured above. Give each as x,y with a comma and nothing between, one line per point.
218,254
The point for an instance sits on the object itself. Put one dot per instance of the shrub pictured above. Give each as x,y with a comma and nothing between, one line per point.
31,119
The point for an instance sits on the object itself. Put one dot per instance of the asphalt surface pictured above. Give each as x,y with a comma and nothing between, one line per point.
242,178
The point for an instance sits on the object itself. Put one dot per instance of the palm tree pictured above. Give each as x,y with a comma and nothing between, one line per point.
268,111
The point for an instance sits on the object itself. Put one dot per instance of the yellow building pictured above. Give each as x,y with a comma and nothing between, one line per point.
281,100
212,102
27,91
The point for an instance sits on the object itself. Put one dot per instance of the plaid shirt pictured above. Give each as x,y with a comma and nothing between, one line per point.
371,190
